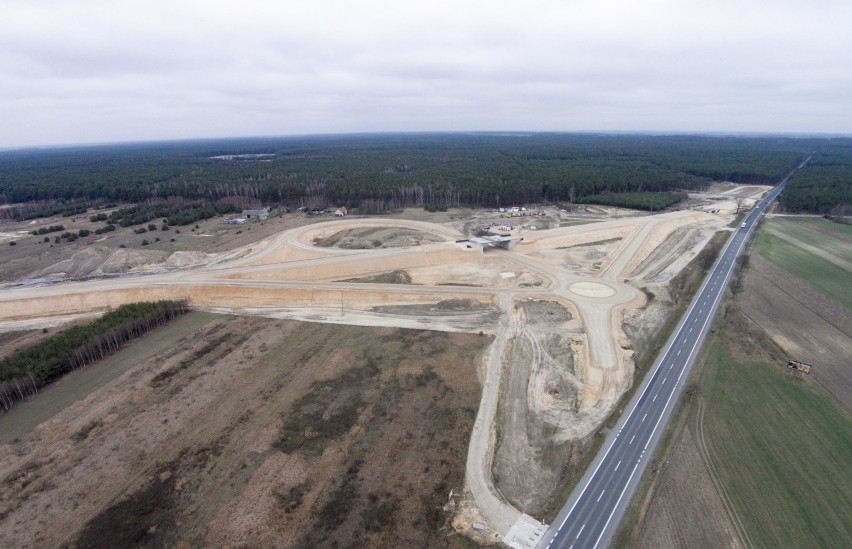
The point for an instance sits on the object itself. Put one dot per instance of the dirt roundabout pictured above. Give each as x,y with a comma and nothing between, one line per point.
560,360
592,289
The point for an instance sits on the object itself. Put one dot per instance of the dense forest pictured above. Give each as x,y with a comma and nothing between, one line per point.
824,185
651,201
25,371
380,172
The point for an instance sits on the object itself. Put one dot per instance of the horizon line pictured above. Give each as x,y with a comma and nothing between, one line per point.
498,133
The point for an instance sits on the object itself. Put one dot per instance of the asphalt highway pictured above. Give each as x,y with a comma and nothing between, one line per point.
592,513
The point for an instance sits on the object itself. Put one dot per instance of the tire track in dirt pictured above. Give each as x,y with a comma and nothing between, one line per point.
701,443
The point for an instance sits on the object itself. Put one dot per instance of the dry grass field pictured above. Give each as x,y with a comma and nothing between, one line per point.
251,432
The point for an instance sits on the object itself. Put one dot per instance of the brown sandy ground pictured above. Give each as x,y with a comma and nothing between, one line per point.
101,254
530,463
256,433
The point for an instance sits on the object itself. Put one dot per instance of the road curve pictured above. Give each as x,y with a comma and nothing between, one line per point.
593,511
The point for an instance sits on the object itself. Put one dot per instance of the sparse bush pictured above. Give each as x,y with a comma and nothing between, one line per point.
145,242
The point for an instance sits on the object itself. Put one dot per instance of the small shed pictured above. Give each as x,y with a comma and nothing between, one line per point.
256,214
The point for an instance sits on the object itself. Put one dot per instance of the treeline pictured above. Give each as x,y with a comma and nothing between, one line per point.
174,213
45,230
640,201
47,208
383,172
824,185
25,371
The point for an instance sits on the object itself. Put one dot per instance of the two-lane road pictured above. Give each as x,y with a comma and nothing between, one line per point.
593,511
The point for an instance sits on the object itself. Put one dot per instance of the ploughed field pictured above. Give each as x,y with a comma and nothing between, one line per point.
254,432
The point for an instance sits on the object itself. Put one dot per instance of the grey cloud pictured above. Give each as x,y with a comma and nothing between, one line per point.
93,70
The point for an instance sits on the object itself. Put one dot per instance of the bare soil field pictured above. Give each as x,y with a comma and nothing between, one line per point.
255,432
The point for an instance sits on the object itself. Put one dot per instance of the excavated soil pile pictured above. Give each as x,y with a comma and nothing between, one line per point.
392,277
366,238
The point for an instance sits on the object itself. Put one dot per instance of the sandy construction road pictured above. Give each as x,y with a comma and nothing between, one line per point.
288,276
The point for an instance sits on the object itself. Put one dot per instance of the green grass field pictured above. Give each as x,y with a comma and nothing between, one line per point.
814,234
826,277
839,228
783,451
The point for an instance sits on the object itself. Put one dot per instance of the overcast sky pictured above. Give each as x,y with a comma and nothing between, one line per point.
83,71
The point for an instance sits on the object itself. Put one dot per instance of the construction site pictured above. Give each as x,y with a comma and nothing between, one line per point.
566,297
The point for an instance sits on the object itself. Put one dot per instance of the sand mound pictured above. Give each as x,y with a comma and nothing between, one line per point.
124,260
185,259
365,238
100,260
591,289
97,260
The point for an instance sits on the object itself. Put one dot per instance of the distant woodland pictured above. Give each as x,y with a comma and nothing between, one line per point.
378,173
824,185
